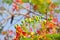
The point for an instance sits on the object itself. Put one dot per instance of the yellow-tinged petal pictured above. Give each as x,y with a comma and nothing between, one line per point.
41,1
45,21
32,33
24,36
43,26
48,1
40,36
30,19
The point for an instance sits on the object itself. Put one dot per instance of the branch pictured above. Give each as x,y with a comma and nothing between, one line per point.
6,19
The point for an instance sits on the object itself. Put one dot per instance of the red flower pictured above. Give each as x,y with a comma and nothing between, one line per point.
55,20
17,35
17,0
15,39
31,29
38,32
25,34
15,6
50,25
19,29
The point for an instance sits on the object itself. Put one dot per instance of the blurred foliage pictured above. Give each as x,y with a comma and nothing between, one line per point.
49,36
1,28
53,36
57,3
8,1
41,6
23,38
25,1
57,11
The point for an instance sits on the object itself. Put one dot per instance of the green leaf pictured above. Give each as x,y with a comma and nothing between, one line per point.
57,11
24,28
53,36
35,38
1,28
57,3
7,1
42,5
22,38
25,1
49,19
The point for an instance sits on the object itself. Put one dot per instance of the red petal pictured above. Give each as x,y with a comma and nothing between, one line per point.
55,20
24,33
17,0
38,32
30,29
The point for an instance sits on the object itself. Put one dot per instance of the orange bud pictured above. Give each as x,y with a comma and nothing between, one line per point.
4,32
35,7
